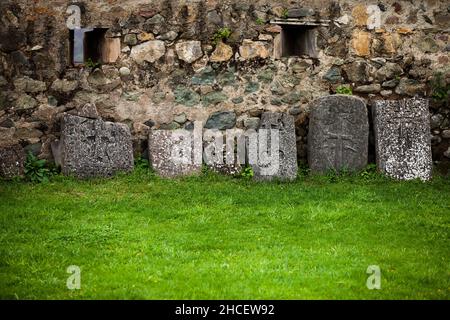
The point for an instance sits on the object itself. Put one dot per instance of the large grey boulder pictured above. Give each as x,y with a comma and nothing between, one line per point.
403,139
93,148
338,135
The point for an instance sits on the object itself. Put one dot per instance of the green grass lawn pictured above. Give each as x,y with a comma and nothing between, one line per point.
210,237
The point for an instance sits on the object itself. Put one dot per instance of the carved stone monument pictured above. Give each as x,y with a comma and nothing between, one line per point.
173,153
285,163
93,148
402,138
338,135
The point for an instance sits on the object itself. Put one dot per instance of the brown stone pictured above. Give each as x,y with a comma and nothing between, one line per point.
273,29
392,20
254,49
223,52
389,43
147,13
361,43
360,15
145,36
7,137
443,60
404,31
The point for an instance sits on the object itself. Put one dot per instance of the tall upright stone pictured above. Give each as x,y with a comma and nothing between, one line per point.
286,167
403,139
338,135
93,148
172,153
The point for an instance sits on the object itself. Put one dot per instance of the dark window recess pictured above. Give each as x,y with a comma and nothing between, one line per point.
87,45
298,41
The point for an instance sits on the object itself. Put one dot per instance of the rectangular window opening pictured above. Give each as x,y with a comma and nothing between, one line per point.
298,41
91,44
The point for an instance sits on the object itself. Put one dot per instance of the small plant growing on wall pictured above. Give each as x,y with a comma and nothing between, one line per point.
344,90
91,64
221,35
284,14
440,91
260,21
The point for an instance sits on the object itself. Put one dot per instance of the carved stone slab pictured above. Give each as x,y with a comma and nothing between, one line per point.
338,135
403,139
94,148
286,169
172,155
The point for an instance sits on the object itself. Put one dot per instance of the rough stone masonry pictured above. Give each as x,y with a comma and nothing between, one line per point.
152,64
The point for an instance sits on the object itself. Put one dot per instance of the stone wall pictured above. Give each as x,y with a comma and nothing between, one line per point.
167,67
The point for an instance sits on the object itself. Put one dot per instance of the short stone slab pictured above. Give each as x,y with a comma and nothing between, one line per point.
338,135
403,139
12,159
94,148
171,155
287,159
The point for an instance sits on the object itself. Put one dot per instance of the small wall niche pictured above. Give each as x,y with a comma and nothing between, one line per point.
299,37
298,41
91,44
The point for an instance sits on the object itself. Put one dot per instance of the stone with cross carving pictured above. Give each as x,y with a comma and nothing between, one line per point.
403,139
174,153
93,148
338,134
279,132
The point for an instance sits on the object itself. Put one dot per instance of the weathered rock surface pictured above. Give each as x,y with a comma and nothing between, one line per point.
171,155
12,159
149,51
338,134
286,168
254,49
189,51
402,137
64,85
29,85
94,148
222,53
221,120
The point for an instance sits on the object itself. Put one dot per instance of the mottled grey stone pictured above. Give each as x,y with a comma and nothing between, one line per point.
333,75
300,12
161,145
12,159
206,76
25,102
130,39
221,120
402,138
338,134
370,88
252,87
94,148
284,123
214,97
252,123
